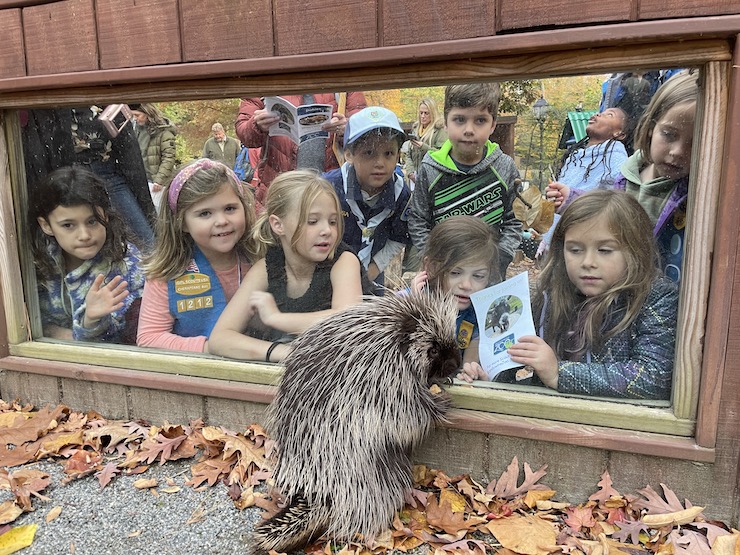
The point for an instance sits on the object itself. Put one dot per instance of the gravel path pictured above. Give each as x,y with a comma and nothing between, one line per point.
122,520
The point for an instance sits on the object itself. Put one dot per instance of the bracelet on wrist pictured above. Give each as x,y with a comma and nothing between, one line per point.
270,349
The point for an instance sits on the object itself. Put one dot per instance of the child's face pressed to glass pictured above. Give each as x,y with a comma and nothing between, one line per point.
216,223
670,143
468,129
466,278
594,259
374,160
79,234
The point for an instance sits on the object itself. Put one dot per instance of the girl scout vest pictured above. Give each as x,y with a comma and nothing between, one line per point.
196,298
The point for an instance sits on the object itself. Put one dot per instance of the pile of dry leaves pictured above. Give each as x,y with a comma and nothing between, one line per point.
445,514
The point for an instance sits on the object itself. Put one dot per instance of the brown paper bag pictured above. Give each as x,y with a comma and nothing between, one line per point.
534,210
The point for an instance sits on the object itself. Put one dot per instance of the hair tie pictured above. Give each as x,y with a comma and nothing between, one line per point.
189,171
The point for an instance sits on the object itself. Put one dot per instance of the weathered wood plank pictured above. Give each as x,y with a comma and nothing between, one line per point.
524,14
415,21
226,29
60,37
11,281
138,32
524,66
324,26
662,9
702,218
12,55
718,360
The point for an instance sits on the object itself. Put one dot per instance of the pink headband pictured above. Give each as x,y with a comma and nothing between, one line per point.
189,171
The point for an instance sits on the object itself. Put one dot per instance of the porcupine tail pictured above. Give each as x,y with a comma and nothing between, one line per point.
289,530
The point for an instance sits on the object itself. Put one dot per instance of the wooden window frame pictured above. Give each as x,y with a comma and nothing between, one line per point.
686,430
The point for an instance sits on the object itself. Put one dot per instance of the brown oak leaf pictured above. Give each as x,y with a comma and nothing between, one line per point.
606,491
506,486
105,475
440,515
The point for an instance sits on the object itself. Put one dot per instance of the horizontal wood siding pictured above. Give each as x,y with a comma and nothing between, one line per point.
524,14
226,29
12,55
662,9
417,21
324,25
138,32
60,37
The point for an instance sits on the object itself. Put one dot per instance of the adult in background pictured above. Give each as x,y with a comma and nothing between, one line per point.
221,147
156,136
427,133
54,138
280,154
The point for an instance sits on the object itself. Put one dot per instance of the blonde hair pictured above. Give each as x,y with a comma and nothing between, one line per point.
293,192
174,248
569,336
680,88
456,240
435,120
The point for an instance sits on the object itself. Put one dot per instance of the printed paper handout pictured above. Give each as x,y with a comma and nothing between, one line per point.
504,314
300,123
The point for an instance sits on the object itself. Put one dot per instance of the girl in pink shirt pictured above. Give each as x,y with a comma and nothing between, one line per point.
204,249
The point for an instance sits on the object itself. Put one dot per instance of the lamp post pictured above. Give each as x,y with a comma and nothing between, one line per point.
540,109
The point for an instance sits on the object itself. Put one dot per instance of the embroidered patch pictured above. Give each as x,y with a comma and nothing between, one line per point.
465,334
192,284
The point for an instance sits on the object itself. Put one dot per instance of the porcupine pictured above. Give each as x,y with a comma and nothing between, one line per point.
353,402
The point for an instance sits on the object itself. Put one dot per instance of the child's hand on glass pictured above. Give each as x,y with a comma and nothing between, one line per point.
419,282
533,351
264,304
472,371
103,299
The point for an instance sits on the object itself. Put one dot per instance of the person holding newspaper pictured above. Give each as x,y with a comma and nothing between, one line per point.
280,154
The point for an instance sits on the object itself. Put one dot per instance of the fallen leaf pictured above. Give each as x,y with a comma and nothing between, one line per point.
579,518
9,511
456,501
106,475
53,513
17,538
173,489
677,518
606,491
134,534
145,483
506,486
727,545
534,497
523,534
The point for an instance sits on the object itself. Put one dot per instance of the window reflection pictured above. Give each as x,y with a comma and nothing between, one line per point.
546,152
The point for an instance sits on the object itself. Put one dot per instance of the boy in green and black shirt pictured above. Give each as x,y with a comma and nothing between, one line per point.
469,174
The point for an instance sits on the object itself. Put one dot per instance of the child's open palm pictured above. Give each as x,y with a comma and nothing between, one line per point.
103,299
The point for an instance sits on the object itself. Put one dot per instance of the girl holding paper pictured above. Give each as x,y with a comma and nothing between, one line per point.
461,257
607,316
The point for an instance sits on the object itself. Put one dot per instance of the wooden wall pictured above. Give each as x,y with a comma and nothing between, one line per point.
45,37
48,38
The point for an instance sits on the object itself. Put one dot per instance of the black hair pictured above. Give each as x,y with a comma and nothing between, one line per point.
73,186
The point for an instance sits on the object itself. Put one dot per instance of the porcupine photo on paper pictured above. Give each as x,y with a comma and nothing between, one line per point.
353,402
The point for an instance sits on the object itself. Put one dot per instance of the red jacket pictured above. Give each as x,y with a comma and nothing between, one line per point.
279,154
